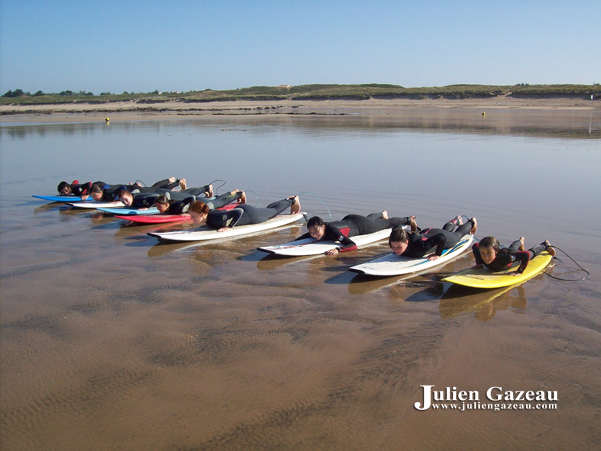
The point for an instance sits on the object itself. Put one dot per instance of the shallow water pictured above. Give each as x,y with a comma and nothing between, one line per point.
112,341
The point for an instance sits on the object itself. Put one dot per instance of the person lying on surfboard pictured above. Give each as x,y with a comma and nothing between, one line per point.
108,193
74,188
243,214
77,189
178,202
488,252
419,243
349,226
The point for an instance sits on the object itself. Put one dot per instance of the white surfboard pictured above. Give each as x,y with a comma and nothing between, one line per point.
96,205
310,246
206,233
396,265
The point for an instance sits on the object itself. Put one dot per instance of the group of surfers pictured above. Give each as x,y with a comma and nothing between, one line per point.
204,210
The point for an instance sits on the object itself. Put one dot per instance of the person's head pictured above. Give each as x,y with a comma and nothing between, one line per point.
64,188
316,227
125,197
398,240
96,192
162,204
199,212
489,247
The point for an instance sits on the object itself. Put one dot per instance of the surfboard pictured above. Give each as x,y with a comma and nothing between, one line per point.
95,205
397,265
155,219
160,218
126,211
310,246
206,233
63,198
484,278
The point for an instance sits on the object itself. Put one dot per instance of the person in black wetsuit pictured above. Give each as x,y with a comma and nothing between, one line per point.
488,252
75,188
178,202
243,214
101,191
349,226
418,244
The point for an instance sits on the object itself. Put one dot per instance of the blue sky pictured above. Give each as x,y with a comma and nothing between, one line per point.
184,45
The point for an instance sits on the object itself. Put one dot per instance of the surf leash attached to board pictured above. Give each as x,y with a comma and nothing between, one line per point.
313,194
575,271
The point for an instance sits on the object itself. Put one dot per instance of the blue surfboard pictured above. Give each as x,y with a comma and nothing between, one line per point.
64,198
124,211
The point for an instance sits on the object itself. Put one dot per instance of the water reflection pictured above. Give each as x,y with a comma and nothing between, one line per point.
484,304
564,124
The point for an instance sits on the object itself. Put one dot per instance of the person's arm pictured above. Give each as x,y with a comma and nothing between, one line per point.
226,219
181,207
439,240
346,244
524,258
476,252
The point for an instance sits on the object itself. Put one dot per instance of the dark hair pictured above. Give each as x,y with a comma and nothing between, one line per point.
490,241
398,234
315,221
63,185
96,189
162,199
199,208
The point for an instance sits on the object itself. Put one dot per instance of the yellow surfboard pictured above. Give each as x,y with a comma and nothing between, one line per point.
484,278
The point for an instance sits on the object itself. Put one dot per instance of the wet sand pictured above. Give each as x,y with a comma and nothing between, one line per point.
127,111
112,341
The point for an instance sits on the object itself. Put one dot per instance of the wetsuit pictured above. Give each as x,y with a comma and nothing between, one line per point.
353,225
422,242
182,206
246,214
108,191
509,257
80,189
180,201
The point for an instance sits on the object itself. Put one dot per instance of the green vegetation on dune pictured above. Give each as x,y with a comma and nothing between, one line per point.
309,92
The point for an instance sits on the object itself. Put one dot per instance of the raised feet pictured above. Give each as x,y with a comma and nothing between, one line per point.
474,228
209,192
522,240
413,223
384,214
182,184
296,206
172,180
550,249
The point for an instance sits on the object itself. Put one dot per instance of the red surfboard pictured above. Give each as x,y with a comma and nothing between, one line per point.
162,219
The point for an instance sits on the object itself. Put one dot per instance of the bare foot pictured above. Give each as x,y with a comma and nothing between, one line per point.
182,184
172,179
385,214
474,229
413,224
550,250
209,192
522,240
296,206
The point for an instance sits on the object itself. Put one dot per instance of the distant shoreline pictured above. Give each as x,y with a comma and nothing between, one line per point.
132,110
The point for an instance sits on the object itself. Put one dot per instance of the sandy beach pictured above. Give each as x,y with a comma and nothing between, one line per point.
133,110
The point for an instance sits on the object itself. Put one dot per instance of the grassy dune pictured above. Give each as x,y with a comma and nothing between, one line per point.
324,92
